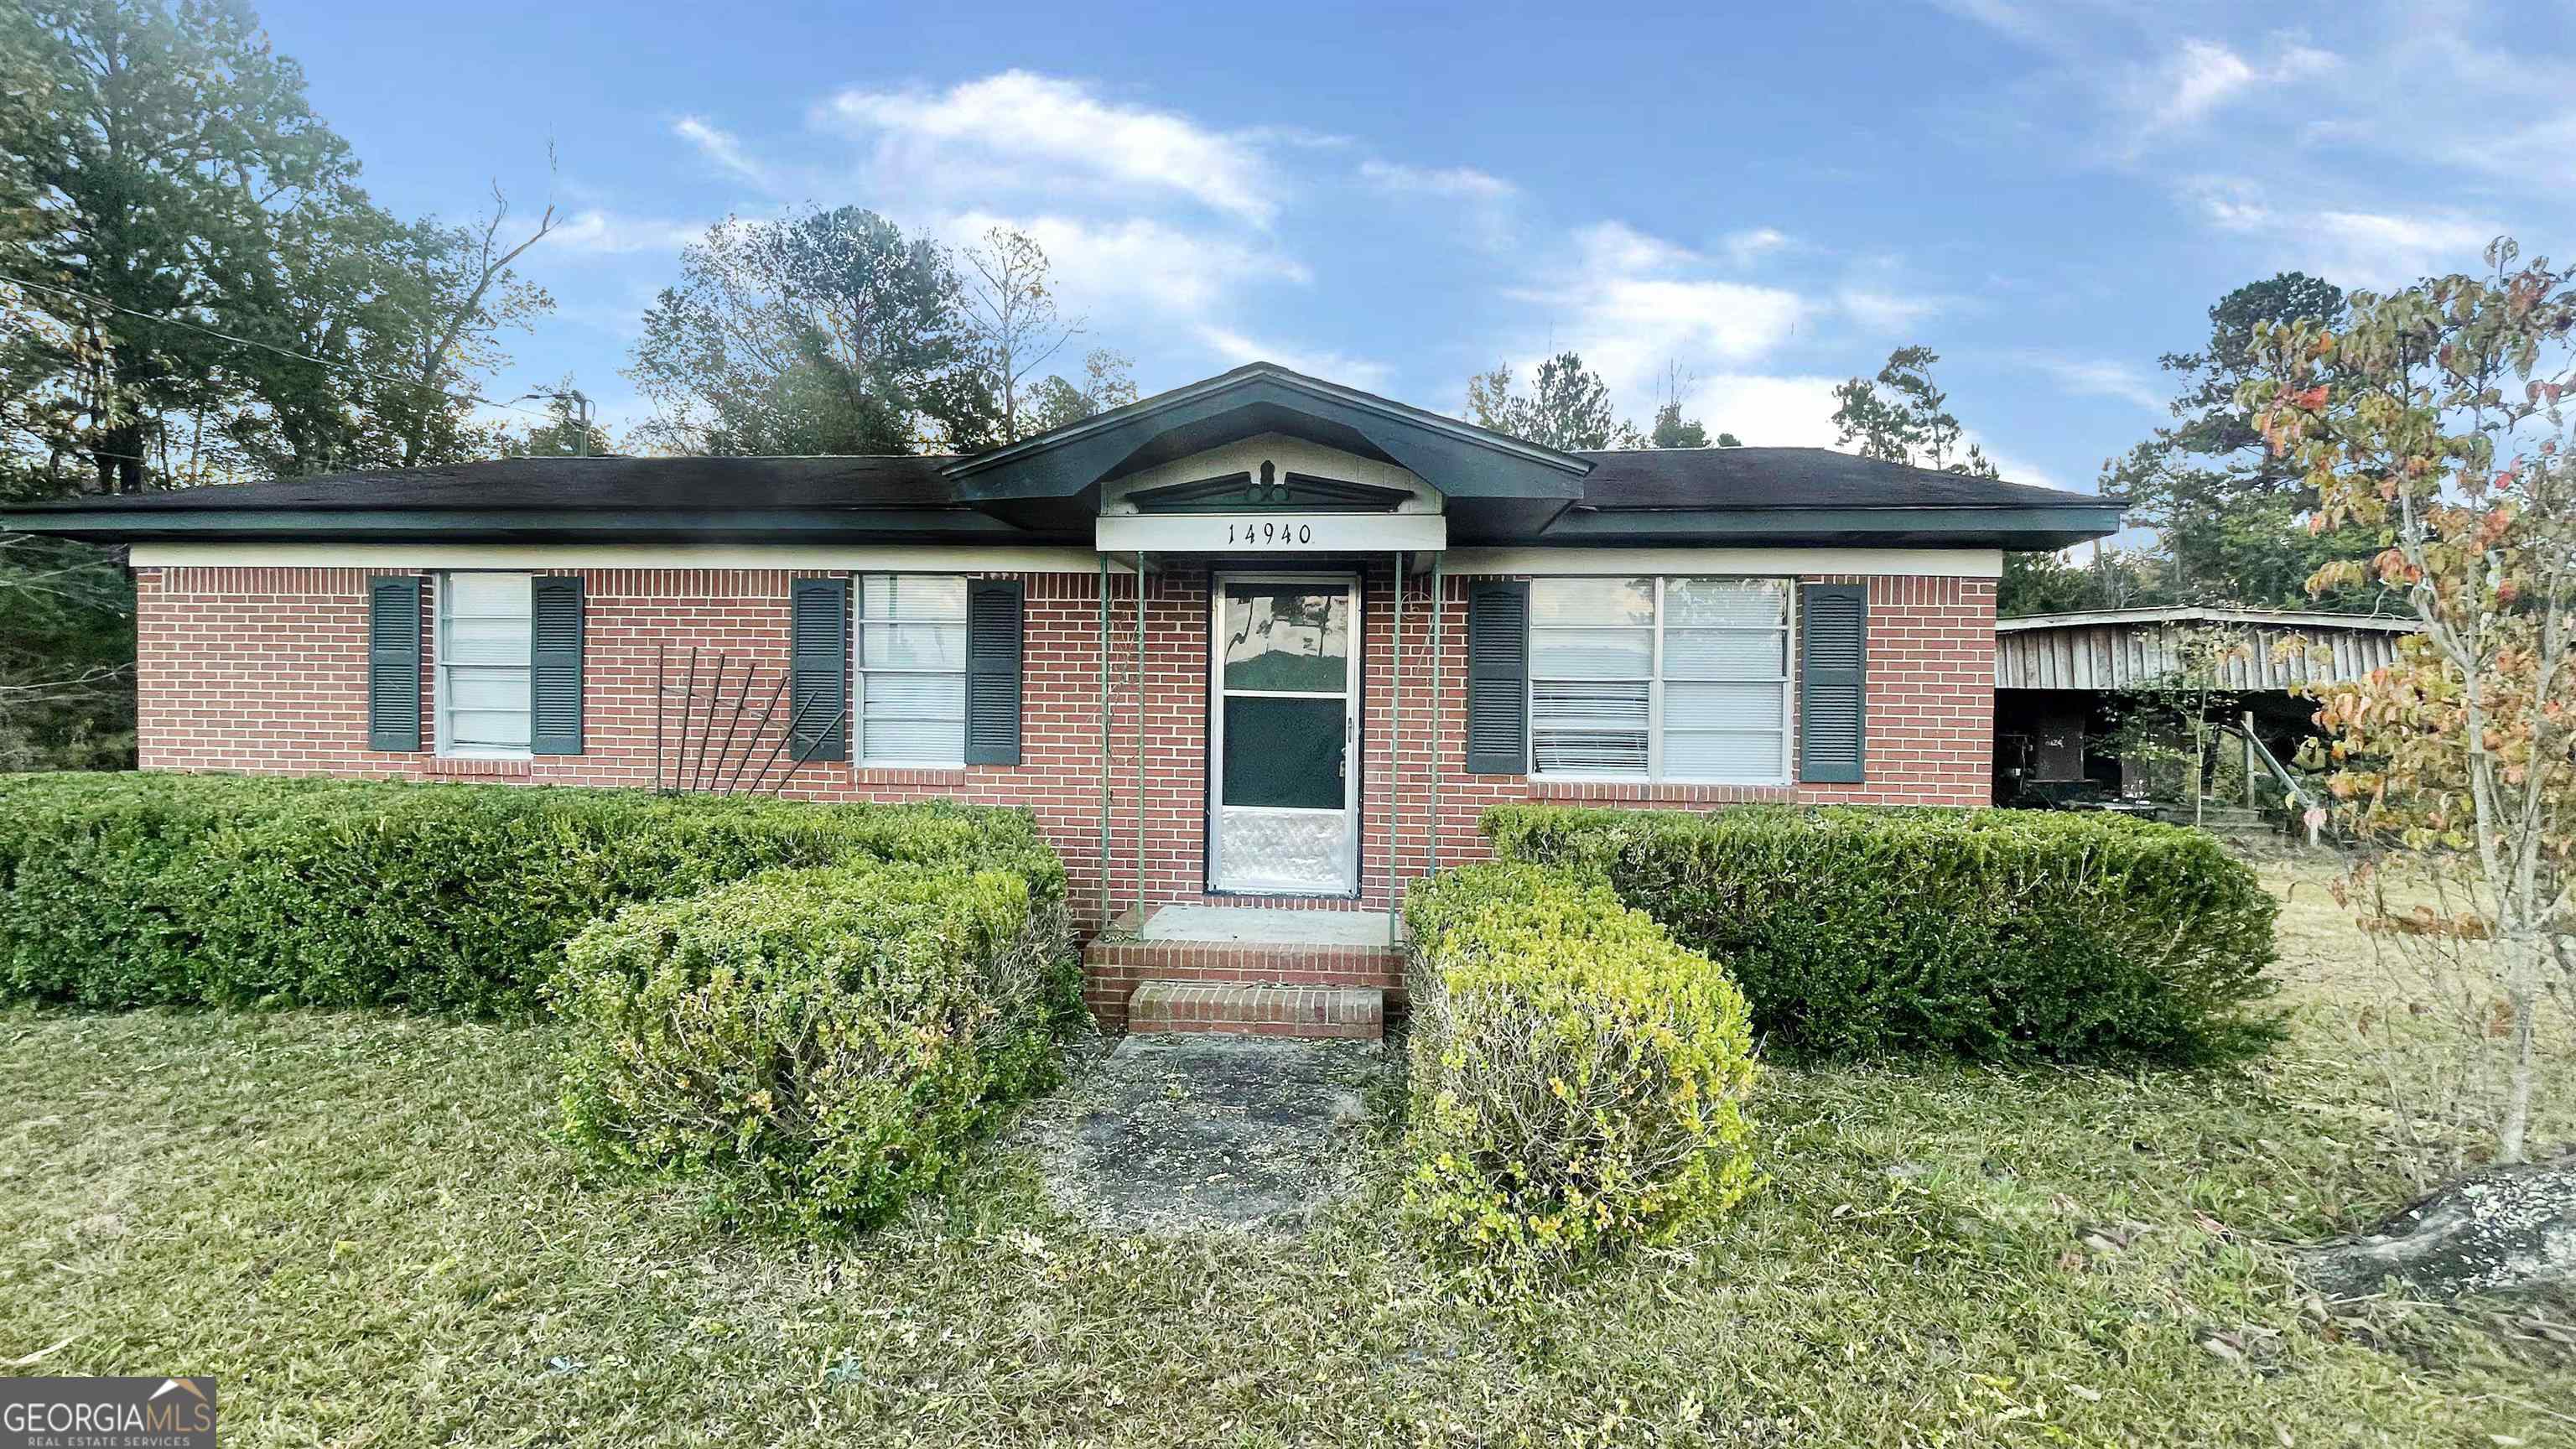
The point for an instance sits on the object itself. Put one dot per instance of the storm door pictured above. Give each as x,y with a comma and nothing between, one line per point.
1283,786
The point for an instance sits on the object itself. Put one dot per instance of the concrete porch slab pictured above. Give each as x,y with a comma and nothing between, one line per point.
1267,925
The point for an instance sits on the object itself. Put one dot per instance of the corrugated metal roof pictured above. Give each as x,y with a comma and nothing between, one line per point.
2122,649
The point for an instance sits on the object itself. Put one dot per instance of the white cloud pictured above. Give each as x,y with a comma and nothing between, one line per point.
1121,268
1765,411
597,231
2346,244
2019,22
2195,82
2204,76
1464,183
1879,310
1044,133
2097,377
724,149
2230,203
1358,372
1748,246
1633,304
2391,249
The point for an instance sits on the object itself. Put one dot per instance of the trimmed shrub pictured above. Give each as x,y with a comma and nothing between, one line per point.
130,889
1578,1079
1996,934
815,1044
98,891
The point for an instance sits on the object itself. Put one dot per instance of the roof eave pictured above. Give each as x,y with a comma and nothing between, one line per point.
2009,528
569,525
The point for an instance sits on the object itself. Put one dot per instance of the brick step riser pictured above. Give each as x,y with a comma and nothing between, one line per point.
1114,970
1312,1012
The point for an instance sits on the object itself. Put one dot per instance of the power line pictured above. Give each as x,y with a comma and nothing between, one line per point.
272,347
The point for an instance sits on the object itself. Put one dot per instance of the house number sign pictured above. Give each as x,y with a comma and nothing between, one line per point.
1269,531
1263,535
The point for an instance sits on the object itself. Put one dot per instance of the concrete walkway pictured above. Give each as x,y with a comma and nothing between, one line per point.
1181,1134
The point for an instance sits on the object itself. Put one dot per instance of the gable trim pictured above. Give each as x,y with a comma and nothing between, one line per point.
1261,372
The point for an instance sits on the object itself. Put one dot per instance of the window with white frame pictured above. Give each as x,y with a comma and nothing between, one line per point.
910,670
484,653
1683,679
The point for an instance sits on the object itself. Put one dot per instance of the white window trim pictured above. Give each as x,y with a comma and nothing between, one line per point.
860,669
442,728
1788,682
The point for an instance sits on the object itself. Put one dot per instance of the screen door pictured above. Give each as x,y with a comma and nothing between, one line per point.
1283,797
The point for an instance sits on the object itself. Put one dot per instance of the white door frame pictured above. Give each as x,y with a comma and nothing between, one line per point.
1321,579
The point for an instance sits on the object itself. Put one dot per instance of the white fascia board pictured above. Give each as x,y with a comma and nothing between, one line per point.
1969,563
865,558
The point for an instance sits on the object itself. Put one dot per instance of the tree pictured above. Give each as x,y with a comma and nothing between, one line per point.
66,656
202,289
366,339
2432,418
564,434
466,292
1902,417
826,333
193,289
1568,407
2169,721
168,147
1012,322
1672,432
2045,583
1106,384
2229,516
1729,440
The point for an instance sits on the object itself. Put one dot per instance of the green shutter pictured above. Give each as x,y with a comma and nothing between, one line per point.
554,692
1833,683
818,706
1498,677
393,664
993,610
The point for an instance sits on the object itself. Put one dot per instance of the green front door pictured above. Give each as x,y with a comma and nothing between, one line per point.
1284,779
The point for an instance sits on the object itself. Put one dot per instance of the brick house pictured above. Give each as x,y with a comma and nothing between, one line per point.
1255,651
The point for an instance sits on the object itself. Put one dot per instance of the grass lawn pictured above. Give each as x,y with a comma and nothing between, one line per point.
358,1223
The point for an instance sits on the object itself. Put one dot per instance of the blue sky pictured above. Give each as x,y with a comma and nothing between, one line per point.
2049,194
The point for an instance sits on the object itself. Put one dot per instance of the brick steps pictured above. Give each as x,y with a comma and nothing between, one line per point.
1243,1008
1116,971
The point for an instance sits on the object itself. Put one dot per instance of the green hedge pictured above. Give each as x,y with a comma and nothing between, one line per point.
1578,1079
1998,934
119,890
815,1044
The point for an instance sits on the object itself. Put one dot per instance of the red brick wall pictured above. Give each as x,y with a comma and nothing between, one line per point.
1930,713
264,670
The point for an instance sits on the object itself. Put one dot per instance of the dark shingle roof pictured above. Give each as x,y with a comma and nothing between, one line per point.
871,482
1672,478
1726,478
